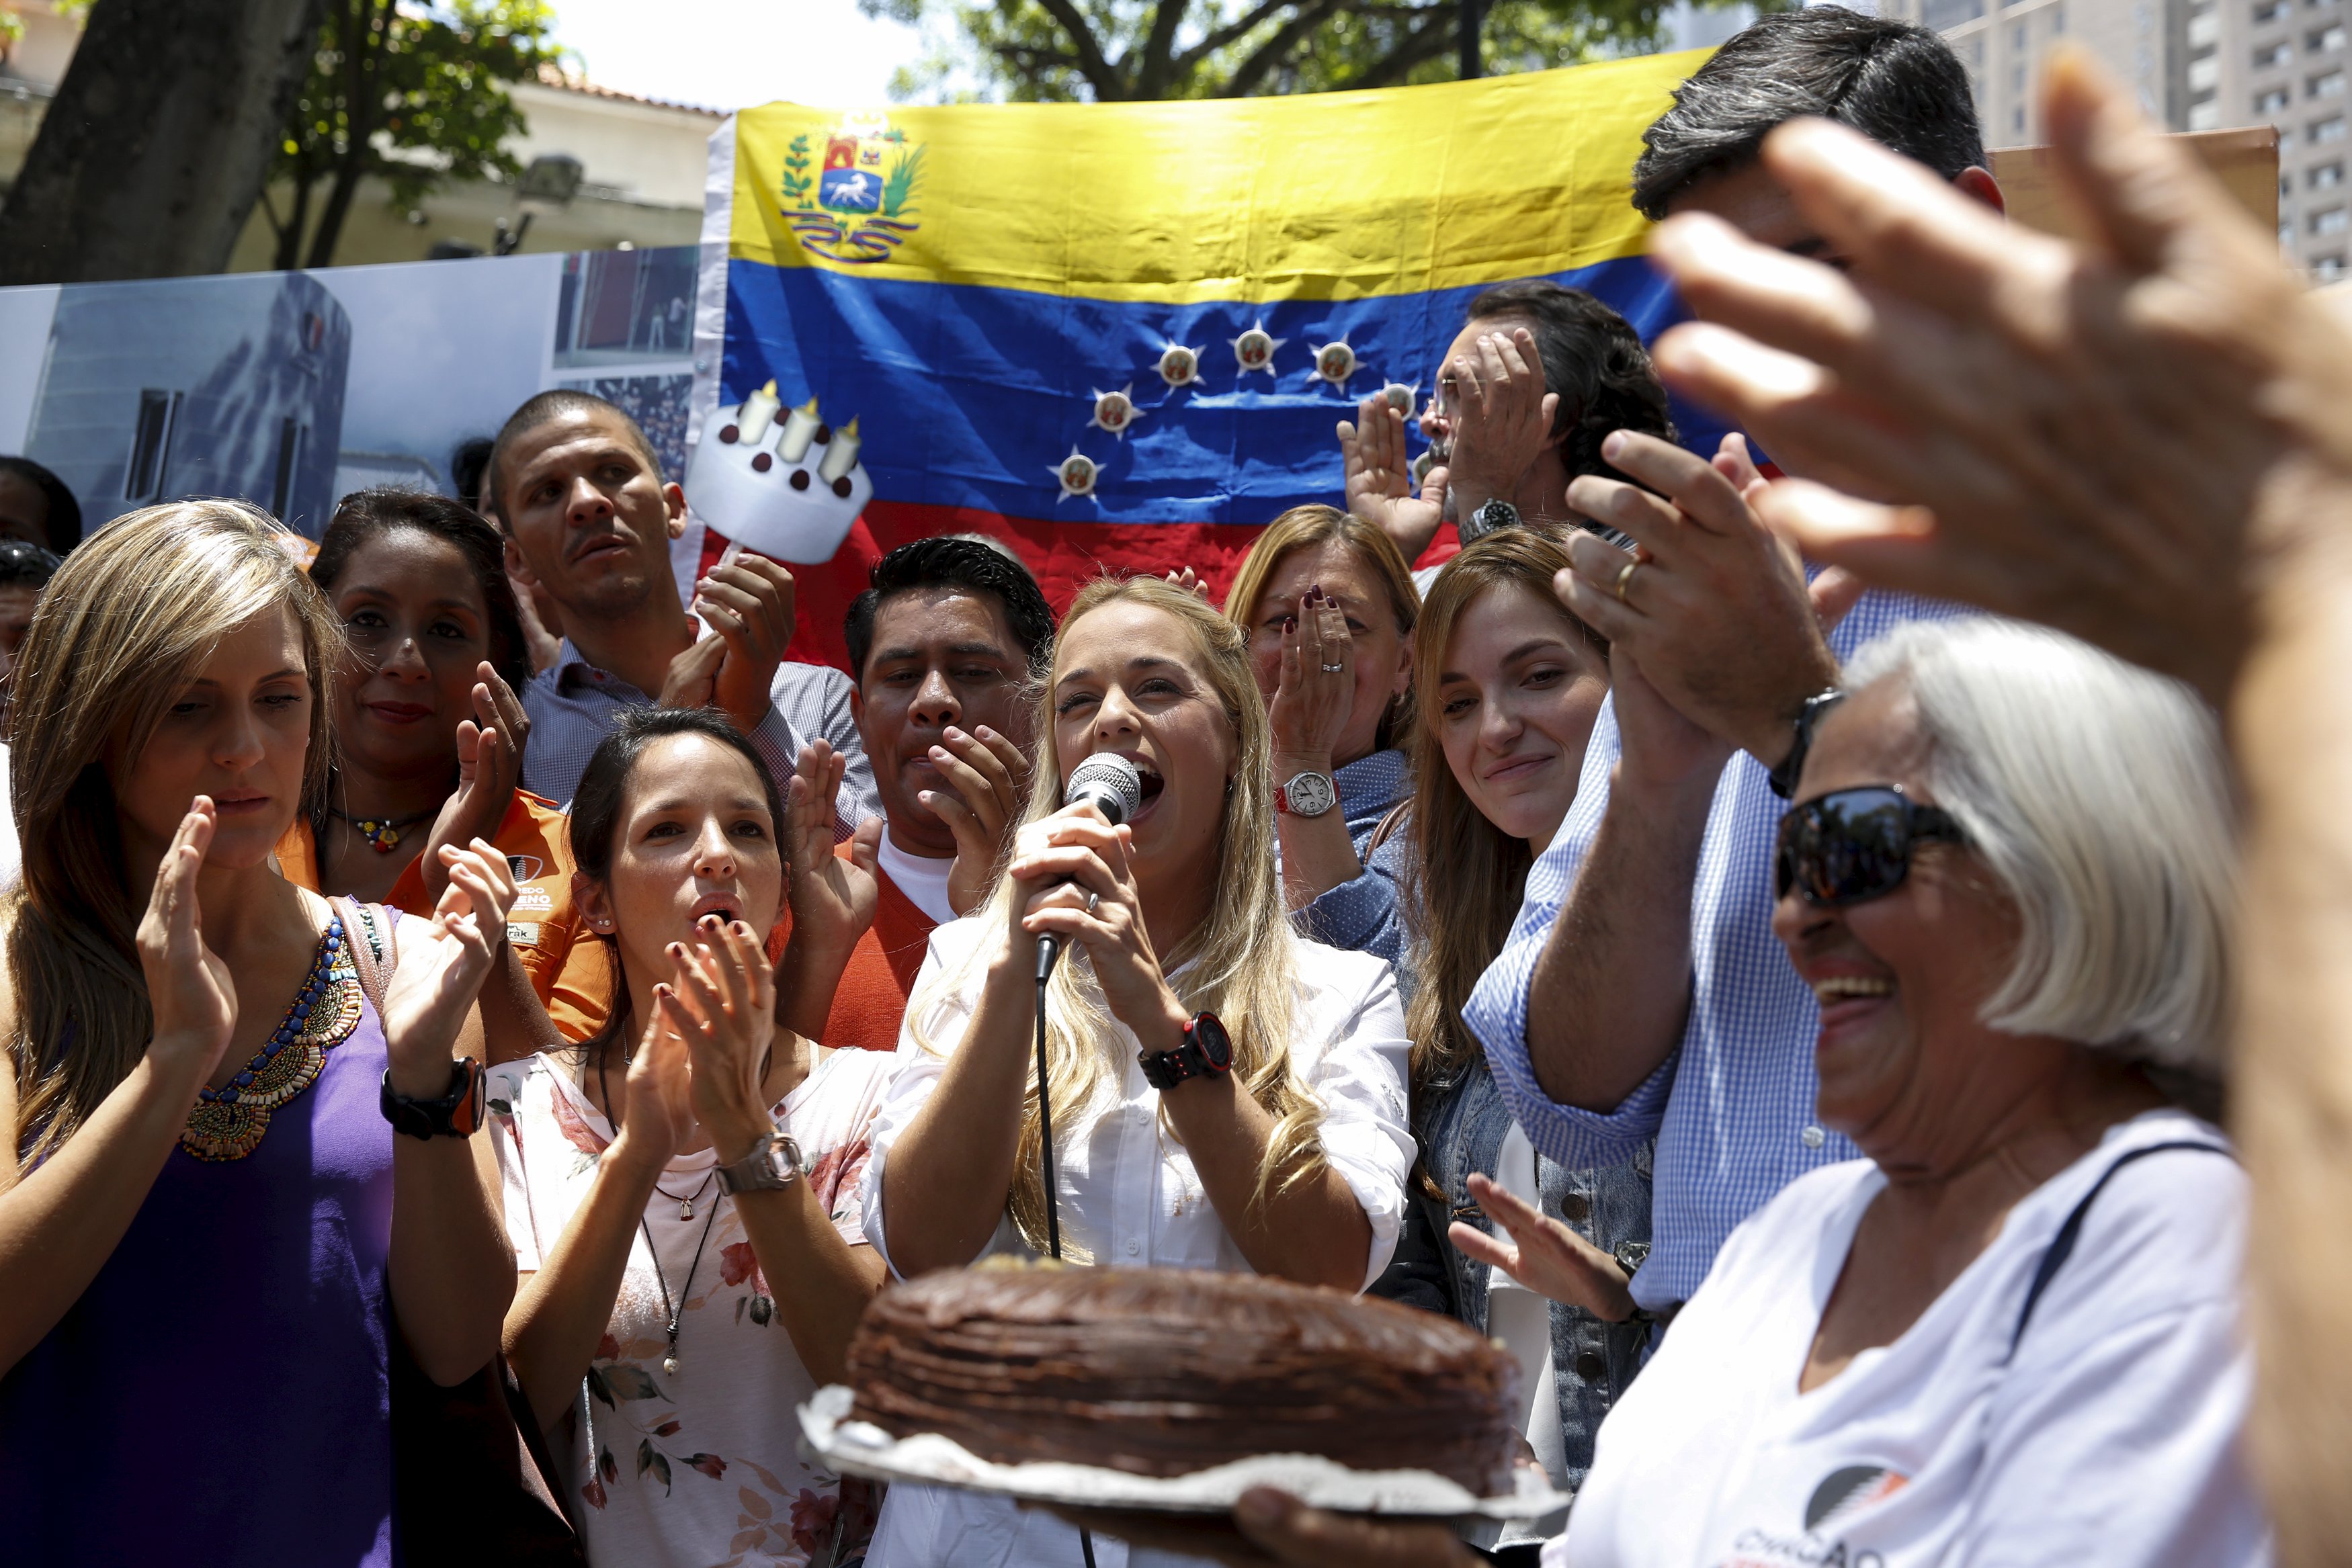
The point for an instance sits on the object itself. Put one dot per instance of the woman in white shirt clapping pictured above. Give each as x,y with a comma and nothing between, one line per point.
1289,1158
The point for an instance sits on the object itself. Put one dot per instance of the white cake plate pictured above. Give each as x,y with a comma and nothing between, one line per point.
860,1449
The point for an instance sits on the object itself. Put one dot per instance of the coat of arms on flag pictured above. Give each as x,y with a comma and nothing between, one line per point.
859,204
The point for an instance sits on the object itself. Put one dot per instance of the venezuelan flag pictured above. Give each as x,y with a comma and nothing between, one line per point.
1121,334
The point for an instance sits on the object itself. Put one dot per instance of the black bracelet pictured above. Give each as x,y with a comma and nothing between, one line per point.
455,1114
1783,776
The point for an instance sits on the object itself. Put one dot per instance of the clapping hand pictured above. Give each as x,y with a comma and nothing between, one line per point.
1191,581
721,1000
659,1116
440,972
1317,689
489,767
1500,417
833,900
1545,1255
747,603
986,777
1380,477
189,989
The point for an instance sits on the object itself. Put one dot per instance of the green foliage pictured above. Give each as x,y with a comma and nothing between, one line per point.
1107,50
412,91
898,185
797,184
11,28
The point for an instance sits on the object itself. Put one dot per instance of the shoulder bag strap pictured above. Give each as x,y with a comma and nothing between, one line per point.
2062,1246
369,932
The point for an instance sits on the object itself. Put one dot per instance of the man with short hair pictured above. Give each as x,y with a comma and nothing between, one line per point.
579,493
1642,994
944,643
1537,375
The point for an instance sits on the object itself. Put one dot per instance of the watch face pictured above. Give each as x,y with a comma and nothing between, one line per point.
1214,1043
1310,794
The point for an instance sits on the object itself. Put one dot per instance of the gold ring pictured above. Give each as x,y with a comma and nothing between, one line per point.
1626,576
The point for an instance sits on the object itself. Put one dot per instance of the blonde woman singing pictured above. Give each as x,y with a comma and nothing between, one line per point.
1278,1142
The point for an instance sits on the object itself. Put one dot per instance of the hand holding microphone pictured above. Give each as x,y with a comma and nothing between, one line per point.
1081,888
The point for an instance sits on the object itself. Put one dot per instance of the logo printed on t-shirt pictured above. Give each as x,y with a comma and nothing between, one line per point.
1842,1493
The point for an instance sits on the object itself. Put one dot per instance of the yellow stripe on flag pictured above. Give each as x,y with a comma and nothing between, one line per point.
1318,196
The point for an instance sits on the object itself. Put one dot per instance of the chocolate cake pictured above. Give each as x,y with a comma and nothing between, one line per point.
1163,1373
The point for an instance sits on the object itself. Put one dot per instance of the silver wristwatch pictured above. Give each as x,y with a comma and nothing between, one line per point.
1489,516
773,1164
1307,794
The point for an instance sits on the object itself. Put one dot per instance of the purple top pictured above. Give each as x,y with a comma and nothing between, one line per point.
219,1395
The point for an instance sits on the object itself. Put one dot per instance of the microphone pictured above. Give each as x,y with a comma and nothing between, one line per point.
1108,782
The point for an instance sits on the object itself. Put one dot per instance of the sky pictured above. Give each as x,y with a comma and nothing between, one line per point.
729,54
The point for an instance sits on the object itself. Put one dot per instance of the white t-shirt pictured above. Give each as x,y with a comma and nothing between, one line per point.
923,880
703,1468
2111,1439
1129,1198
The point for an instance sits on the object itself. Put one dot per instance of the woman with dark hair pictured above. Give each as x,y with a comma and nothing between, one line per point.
216,1226
1511,684
1328,607
682,1189
429,738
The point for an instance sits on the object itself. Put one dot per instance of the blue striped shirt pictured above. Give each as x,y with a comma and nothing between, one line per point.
1732,1109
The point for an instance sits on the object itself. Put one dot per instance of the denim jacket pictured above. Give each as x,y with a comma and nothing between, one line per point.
1592,1361
1362,915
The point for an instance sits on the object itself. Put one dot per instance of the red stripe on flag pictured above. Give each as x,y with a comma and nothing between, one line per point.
1064,556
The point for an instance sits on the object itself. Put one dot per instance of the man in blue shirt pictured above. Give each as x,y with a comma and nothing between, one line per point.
1641,994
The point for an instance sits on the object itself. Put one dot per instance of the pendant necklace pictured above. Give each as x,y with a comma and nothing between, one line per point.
669,1362
686,1205
382,833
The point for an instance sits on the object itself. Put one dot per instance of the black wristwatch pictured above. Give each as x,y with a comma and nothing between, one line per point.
1207,1051
1783,777
455,1114
1490,515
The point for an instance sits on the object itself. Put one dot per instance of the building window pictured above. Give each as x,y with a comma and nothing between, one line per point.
2058,18
2017,37
2331,222
2328,130
2324,177
2271,100
2270,12
1941,14
2328,84
2269,54
2325,40
2017,77
2017,120
2327,268
2286,233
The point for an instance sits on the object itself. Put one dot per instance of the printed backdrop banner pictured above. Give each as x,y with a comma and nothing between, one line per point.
1120,334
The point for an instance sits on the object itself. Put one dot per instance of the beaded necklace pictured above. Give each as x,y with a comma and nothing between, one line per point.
227,1123
382,833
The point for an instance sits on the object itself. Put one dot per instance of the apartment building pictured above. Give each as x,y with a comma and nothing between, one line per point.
2195,65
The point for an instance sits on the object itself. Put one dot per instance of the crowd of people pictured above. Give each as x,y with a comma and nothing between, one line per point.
1772,937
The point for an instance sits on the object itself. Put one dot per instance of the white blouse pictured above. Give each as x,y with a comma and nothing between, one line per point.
1130,1198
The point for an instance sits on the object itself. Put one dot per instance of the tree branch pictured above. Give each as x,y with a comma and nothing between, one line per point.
1099,73
1270,54
1230,32
1424,42
1151,78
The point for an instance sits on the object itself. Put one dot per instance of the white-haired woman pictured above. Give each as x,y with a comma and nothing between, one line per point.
1277,1139
2009,1334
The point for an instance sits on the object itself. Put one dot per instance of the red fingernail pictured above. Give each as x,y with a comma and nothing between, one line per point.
1289,624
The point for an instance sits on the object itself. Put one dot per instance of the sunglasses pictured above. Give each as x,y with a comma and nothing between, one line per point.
1851,846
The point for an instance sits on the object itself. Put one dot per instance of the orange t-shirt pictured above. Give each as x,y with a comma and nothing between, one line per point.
871,999
571,974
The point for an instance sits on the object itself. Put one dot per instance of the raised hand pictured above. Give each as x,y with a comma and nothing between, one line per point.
1544,1255
693,677
2019,401
987,777
489,767
441,970
1191,581
1312,703
1501,417
833,900
1380,487
749,603
189,988
721,1000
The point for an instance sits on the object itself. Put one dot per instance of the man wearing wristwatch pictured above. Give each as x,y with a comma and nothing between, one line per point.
1537,375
